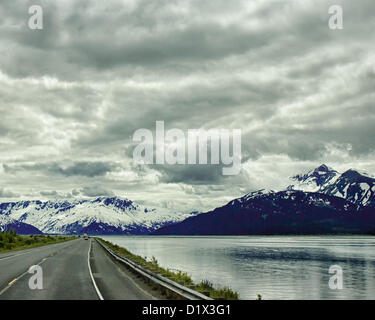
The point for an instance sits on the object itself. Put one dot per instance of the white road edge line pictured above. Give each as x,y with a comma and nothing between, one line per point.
91,275
129,278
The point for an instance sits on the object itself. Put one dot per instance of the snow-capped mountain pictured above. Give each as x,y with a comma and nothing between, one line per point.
322,201
7,223
352,185
315,180
99,216
284,212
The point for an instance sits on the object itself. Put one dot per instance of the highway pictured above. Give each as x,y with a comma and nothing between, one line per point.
74,270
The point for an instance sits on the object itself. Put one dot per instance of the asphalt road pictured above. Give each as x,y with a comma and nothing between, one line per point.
67,274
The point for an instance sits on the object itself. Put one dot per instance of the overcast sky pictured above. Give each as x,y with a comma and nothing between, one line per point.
72,94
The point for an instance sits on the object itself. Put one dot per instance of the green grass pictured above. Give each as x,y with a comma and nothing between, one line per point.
180,277
10,241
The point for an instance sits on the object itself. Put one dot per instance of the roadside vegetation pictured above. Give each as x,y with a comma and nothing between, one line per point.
11,241
205,287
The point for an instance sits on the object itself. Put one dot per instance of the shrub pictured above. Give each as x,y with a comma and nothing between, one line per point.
205,285
154,262
11,241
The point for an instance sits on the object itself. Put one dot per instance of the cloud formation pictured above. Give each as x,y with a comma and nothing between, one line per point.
96,191
87,169
73,93
4,193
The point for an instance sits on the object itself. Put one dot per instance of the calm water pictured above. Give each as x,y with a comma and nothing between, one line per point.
276,267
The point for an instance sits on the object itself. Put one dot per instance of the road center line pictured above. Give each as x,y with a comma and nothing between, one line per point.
27,271
19,277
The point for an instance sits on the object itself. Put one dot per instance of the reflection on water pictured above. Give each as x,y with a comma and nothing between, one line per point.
276,267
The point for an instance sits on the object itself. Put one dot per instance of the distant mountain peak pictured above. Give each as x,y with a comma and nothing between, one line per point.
354,175
356,186
324,168
7,223
314,180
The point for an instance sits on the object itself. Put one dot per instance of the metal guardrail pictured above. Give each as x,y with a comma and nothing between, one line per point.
173,286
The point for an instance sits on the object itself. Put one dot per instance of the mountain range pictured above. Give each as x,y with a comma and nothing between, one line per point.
99,216
322,201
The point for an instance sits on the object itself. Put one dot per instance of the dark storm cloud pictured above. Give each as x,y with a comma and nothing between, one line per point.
190,174
96,191
199,176
49,193
87,169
